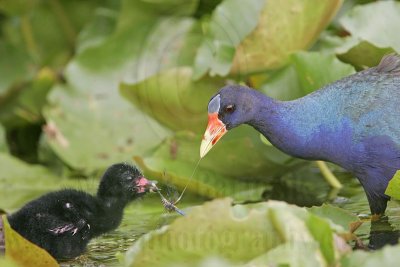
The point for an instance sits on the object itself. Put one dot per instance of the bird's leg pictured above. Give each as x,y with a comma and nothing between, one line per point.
377,202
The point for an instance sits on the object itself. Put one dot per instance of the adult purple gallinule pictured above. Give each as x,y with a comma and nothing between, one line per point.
63,222
353,122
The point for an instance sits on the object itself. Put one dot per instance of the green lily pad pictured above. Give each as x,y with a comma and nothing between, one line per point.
143,41
371,35
90,130
335,215
98,29
366,23
387,256
290,254
224,31
240,234
23,30
32,58
93,76
306,73
175,161
393,188
20,71
21,115
21,182
23,251
363,55
173,98
283,84
263,40
23,104
283,28
311,69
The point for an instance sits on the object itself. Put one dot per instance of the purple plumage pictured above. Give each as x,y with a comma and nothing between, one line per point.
353,122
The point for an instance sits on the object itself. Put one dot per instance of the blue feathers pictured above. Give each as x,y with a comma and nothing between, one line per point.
353,122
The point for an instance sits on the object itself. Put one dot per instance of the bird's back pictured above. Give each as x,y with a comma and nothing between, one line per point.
351,115
50,204
370,100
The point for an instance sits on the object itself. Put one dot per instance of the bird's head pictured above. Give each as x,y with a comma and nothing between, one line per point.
124,181
230,107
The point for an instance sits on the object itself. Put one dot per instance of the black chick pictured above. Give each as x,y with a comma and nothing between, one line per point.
63,222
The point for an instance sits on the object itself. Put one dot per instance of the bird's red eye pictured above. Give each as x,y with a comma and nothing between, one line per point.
229,108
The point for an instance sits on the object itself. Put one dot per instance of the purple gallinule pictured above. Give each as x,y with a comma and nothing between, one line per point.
353,122
63,222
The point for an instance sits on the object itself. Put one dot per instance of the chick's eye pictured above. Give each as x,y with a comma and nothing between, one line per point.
229,108
129,178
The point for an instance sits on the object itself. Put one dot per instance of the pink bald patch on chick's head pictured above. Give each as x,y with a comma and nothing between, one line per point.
142,184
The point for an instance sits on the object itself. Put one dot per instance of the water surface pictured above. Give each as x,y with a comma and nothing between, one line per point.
305,190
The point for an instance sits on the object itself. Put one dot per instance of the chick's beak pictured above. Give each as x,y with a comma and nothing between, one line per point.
215,130
152,186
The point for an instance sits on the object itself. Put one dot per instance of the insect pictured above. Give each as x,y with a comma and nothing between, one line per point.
169,205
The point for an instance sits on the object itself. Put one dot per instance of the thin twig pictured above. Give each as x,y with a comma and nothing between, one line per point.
65,22
328,175
27,34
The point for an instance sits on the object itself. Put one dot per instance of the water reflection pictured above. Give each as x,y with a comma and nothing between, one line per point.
308,189
304,188
382,233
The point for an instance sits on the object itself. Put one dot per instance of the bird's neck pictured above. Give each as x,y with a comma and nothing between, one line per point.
112,209
280,122
113,203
